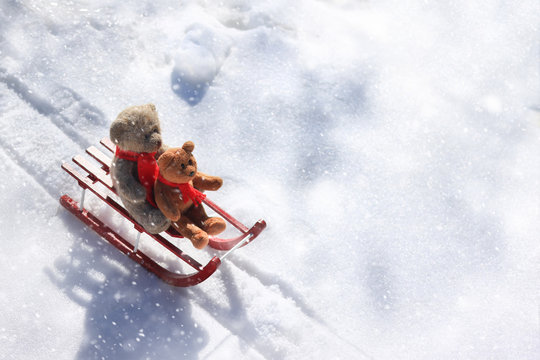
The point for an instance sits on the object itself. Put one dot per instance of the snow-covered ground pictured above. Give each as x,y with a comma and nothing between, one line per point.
392,147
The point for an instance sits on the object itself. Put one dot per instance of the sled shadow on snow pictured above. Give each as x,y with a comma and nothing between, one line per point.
130,314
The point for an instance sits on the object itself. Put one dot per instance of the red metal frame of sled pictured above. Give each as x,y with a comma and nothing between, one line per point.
101,175
124,246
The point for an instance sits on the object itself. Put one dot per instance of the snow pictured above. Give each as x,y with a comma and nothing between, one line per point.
391,147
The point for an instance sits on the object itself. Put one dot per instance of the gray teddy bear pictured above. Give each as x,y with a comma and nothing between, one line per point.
136,133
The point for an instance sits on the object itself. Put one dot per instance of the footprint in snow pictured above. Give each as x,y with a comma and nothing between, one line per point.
197,62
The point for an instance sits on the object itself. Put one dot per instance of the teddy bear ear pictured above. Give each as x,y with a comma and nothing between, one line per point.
152,106
188,146
117,130
165,159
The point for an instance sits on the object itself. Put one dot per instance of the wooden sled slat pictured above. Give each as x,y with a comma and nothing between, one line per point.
103,159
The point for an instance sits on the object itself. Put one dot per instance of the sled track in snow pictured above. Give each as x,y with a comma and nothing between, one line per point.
24,140
249,331
269,279
43,127
235,309
24,162
19,161
65,98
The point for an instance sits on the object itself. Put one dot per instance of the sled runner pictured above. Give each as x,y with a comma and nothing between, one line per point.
90,179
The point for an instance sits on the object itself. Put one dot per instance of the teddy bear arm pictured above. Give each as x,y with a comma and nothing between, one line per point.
203,181
126,182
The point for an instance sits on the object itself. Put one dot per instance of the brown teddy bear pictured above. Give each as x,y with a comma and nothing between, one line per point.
177,196
137,135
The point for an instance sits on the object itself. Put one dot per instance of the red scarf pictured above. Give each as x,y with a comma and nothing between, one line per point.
147,169
188,191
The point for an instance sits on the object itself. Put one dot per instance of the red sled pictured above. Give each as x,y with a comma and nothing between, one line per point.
93,175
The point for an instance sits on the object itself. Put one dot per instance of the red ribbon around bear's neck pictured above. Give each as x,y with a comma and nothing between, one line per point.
188,191
147,169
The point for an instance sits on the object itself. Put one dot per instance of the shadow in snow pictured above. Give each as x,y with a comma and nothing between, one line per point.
319,152
130,313
191,92
379,282
198,60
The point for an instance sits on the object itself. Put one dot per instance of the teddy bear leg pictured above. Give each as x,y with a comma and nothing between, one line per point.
198,237
212,225
156,222
149,217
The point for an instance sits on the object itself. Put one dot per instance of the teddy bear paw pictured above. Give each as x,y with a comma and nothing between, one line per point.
214,225
200,240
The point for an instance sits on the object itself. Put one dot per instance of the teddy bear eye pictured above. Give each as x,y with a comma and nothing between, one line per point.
183,166
190,162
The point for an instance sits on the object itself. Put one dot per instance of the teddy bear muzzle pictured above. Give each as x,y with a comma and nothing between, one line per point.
155,142
190,171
